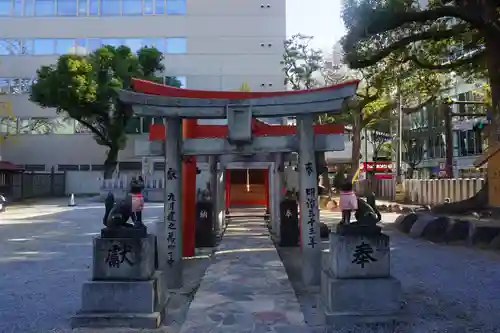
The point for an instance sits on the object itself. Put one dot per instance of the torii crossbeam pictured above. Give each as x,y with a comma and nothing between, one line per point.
241,136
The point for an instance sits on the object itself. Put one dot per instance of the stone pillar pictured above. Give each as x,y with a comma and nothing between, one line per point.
221,199
212,168
277,195
272,203
170,260
309,210
356,283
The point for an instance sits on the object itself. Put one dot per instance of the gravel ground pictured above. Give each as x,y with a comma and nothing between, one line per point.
446,288
45,256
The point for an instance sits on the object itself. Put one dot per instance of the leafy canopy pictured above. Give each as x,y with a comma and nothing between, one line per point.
83,87
446,35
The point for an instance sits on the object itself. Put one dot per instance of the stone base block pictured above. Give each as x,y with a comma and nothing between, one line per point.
136,304
124,259
128,320
359,256
360,301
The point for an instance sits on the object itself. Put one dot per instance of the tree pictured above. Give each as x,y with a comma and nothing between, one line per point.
448,35
302,68
382,87
83,87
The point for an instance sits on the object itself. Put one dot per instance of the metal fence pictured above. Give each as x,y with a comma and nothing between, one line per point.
28,185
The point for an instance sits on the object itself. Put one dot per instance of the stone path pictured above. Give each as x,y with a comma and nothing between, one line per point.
246,288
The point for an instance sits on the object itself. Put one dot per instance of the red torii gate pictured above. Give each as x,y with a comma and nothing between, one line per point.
191,129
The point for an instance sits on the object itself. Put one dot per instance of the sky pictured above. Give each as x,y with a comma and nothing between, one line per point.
318,18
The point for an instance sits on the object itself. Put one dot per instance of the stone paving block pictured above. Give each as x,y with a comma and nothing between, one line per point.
246,288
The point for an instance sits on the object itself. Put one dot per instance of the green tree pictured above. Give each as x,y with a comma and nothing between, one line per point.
83,87
447,35
302,67
382,87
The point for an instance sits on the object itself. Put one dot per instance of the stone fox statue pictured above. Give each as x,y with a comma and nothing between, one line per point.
117,214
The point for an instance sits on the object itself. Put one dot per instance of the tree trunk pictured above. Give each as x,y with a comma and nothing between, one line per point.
409,174
111,162
356,148
481,199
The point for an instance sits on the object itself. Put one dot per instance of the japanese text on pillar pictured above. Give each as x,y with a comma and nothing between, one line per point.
311,216
171,220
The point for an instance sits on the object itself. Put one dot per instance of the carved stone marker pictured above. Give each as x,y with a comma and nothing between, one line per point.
125,290
356,283
123,258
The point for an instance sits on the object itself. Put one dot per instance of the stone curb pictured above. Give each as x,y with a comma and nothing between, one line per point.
443,229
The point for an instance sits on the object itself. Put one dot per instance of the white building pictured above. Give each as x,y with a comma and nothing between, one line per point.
213,45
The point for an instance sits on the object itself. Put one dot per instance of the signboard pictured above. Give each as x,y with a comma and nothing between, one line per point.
383,170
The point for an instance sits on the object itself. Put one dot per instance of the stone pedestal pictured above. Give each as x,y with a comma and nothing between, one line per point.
125,290
356,284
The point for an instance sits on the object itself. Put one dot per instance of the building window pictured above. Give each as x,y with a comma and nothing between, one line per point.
176,45
44,7
63,126
29,7
158,43
148,6
8,125
134,44
51,46
93,44
40,126
94,8
112,42
81,129
66,8
5,7
159,7
110,7
18,8
82,7
132,7
43,46
65,46
176,7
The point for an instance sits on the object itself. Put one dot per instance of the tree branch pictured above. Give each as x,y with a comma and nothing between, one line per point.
436,35
94,131
476,57
382,23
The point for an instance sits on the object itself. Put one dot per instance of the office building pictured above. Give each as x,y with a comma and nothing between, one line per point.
213,45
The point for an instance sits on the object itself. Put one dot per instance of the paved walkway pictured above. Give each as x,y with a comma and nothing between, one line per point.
246,288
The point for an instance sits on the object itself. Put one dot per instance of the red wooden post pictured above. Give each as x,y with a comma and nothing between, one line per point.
188,194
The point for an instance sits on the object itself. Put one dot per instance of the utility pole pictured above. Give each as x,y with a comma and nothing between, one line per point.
399,138
448,135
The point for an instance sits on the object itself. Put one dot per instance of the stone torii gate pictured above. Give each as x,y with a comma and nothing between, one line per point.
239,108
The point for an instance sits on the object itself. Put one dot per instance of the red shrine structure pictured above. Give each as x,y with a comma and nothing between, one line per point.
191,130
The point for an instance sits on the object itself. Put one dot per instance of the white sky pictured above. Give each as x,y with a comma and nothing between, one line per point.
318,18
